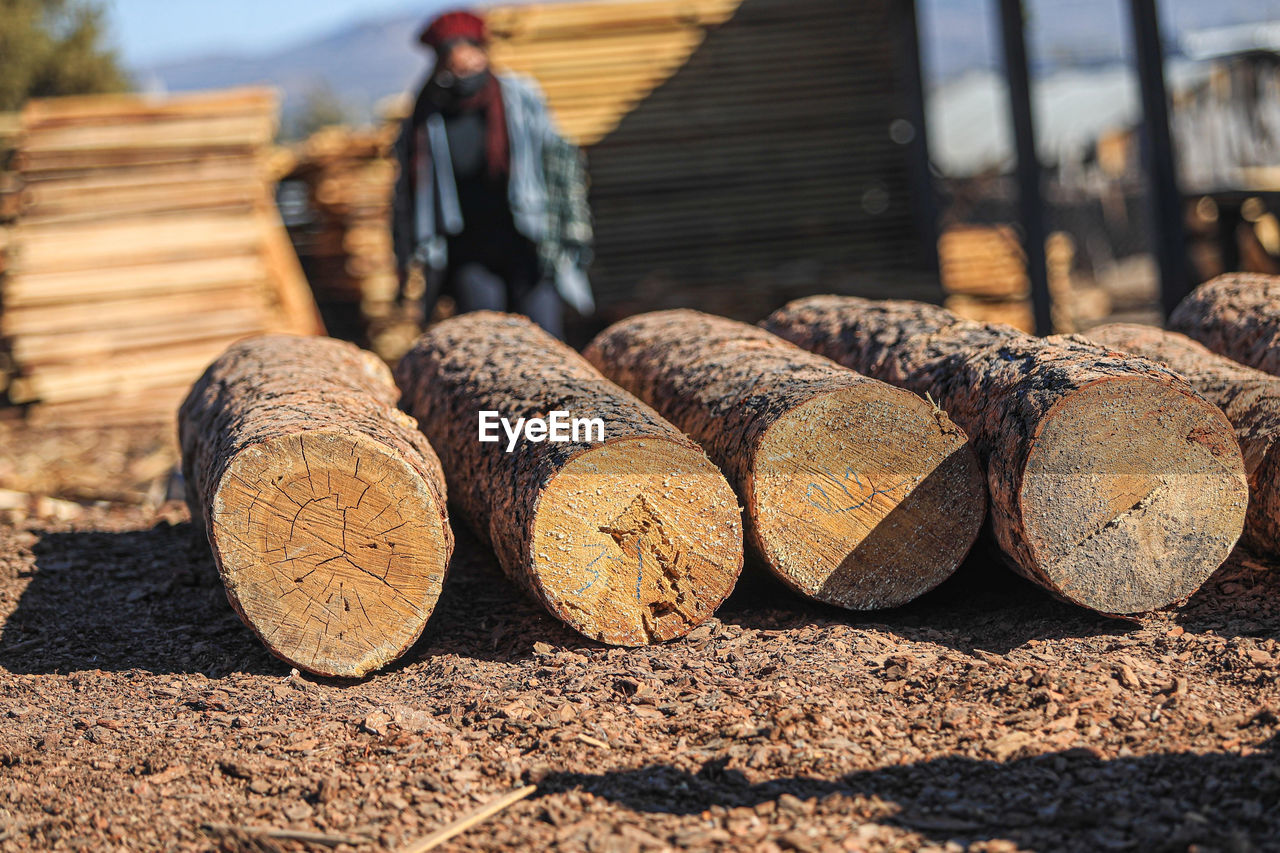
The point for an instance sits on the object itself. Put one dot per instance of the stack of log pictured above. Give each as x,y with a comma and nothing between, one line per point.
344,237
1109,479
1113,484
147,240
984,274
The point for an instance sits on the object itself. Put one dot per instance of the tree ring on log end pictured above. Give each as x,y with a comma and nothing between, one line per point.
331,547
865,498
636,541
1132,495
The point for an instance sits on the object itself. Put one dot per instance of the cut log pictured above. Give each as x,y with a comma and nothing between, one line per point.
324,506
1236,315
631,540
1249,398
1113,484
857,493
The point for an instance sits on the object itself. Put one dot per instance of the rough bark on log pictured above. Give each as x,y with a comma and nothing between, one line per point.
1249,398
324,506
1236,315
632,540
1112,484
857,493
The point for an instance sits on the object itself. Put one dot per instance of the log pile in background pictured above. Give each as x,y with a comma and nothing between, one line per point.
630,541
784,180
324,506
147,240
9,126
984,274
344,238
623,51
1249,398
1113,484
1236,315
857,493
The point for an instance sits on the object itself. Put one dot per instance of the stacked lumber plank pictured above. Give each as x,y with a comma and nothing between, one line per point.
344,240
781,174
9,124
147,240
629,49
984,274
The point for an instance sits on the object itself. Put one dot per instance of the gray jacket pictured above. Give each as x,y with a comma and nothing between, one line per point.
426,211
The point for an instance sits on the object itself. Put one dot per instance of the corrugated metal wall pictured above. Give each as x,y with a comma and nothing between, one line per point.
741,153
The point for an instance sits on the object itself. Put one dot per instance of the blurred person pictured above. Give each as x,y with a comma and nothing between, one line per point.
490,200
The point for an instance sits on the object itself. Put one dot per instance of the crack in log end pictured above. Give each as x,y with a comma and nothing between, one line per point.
860,498
1139,515
636,541
344,582
642,537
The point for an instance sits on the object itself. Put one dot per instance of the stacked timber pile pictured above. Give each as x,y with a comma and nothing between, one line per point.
1113,484
984,274
147,240
343,238
9,124
758,180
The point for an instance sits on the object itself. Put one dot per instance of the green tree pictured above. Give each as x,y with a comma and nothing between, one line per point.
54,47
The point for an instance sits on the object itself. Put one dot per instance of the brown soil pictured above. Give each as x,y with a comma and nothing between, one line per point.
135,708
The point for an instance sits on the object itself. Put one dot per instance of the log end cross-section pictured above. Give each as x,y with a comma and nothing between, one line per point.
323,504
330,547
636,541
865,497
1132,495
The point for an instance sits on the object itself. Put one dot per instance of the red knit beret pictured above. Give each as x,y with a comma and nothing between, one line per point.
452,26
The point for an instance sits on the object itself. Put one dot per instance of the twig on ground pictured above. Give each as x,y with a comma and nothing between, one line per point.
322,838
461,825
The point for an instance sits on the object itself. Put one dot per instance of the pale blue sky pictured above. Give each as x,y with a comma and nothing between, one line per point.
149,31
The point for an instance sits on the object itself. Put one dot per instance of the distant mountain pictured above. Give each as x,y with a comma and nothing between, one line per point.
362,63
358,65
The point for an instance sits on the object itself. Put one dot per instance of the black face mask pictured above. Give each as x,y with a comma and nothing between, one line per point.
456,88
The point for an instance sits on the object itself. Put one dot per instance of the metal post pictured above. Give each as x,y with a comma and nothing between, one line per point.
916,142
1162,178
1030,201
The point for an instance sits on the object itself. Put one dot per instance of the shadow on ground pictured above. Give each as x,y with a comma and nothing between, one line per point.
1068,800
982,606
151,600
116,601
